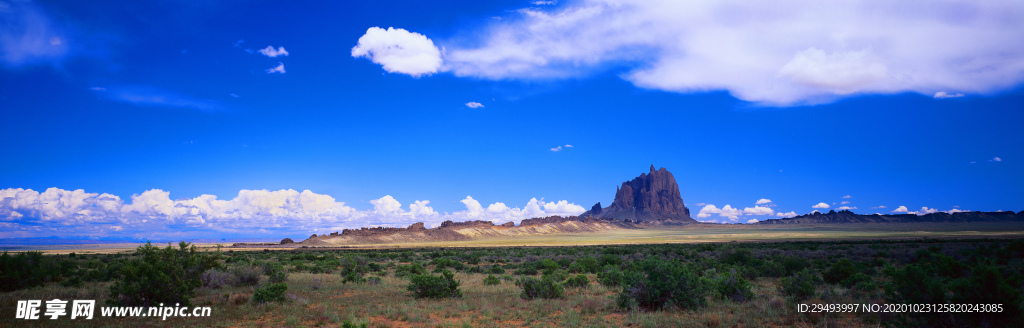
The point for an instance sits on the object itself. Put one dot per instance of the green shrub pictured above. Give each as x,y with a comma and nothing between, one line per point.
577,281
734,287
656,284
801,285
839,271
496,269
612,276
491,280
431,286
167,275
739,257
793,264
413,269
276,273
270,293
556,275
860,281
540,288
29,269
351,276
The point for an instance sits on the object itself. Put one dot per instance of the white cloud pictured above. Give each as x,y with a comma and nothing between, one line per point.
844,202
758,210
786,215
878,207
473,104
753,221
238,43
995,159
763,201
776,53
847,196
153,211
568,146
501,213
399,51
269,51
924,210
559,148
820,205
276,69
901,209
846,208
543,2
944,95
726,212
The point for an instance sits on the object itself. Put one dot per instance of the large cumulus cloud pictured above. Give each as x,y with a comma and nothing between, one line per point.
776,53
25,212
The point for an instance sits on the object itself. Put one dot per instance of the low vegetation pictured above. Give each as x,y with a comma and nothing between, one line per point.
703,285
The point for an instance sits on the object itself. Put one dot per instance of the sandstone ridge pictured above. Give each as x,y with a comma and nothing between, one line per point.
453,231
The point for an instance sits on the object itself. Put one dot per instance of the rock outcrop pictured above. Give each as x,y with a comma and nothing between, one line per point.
651,198
287,241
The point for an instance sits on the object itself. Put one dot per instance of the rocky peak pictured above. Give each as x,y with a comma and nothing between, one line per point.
651,196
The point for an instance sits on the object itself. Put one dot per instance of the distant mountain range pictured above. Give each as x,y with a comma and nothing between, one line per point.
845,216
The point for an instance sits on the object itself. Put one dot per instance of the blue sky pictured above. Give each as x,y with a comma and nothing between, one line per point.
266,119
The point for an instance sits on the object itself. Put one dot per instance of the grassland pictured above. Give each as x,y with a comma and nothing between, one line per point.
872,263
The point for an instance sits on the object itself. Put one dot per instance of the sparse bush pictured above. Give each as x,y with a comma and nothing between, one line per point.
270,293
734,287
413,269
169,275
491,280
540,288
431,286
739,257
496,269
214,279
245,276
577,281
656,284
373,281
556,275
801,285
793,264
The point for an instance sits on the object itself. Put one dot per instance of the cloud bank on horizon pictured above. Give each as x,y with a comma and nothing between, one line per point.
25,212
777,54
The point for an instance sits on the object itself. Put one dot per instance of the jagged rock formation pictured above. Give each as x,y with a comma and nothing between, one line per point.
845,216
287,241
651,198
379,231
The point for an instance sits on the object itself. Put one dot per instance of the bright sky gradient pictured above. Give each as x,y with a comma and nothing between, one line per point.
257,119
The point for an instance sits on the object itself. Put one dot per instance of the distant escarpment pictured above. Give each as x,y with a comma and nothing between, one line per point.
652,198
845,216
453,231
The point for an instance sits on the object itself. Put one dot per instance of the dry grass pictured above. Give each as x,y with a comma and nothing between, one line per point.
390,305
